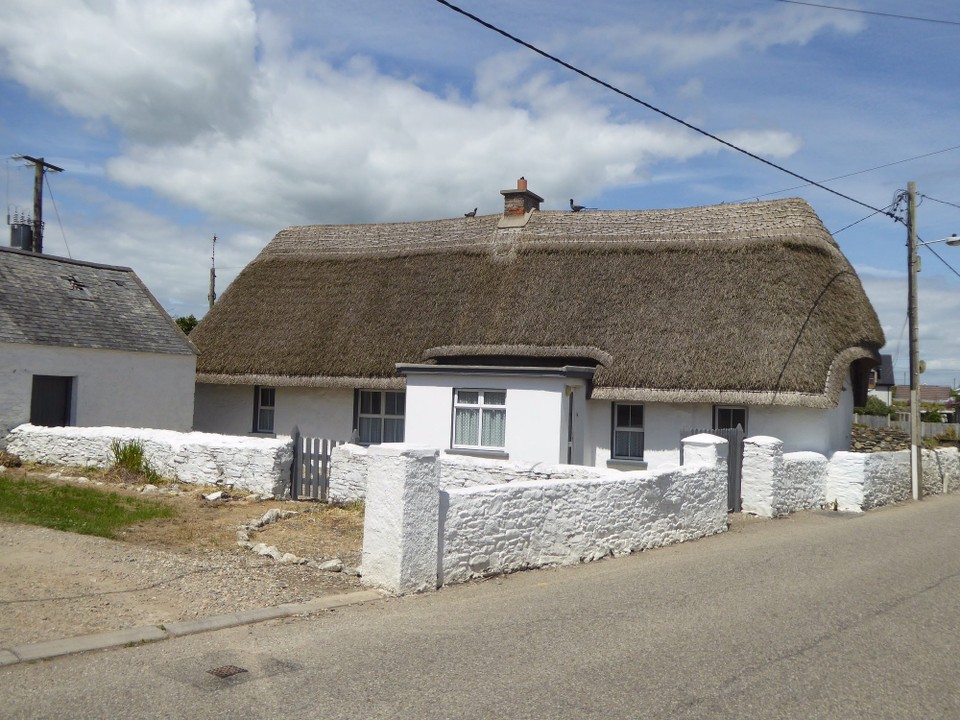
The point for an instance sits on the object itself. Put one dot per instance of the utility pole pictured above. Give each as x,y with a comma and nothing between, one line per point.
212,295
916,469
40,167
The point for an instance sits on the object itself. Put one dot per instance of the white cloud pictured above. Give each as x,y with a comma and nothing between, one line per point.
938,302
158,70
698,38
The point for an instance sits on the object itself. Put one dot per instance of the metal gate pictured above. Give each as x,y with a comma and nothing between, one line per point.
734,438
310,470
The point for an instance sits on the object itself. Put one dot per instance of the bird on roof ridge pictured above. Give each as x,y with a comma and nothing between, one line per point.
472,213
575,208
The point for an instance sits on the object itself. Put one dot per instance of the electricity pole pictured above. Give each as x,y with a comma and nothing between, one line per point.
40,167
916,470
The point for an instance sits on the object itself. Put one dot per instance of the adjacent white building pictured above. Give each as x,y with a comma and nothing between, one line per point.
594,337
87,344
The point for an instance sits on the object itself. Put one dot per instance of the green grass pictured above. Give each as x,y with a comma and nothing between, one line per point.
74,509
132,457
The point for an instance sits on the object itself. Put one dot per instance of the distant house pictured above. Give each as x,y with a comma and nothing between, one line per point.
590,337
939,397
881,381
87,344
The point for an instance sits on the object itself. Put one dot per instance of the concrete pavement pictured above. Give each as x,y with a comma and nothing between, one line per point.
820,615
151,633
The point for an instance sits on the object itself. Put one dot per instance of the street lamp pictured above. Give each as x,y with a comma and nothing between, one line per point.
913,262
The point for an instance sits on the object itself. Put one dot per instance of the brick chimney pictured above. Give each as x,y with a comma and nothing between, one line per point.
519,202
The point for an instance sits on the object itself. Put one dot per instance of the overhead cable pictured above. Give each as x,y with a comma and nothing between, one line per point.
872,12
655,109
858,172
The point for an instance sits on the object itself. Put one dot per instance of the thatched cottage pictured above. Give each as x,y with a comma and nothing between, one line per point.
87,344
587,337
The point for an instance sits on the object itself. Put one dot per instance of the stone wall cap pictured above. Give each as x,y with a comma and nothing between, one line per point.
704,439
764,440
403,450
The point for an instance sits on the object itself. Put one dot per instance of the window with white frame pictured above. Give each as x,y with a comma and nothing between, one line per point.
728,417
380,416
264,401
627,431
479,418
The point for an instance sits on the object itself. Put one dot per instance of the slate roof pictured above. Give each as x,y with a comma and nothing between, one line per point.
740,303
885,376
48,300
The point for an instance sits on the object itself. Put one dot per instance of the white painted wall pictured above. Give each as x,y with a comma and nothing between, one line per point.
800,429
318,412
536,412
259,465
418,535
111,387
777,483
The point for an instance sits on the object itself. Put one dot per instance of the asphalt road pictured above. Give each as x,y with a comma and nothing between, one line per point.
821,615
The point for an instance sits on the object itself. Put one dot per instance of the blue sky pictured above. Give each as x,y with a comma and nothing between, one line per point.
182,119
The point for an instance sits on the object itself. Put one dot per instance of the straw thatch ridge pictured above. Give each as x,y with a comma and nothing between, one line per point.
718,304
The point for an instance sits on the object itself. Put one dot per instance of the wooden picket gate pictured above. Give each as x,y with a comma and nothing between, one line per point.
310,470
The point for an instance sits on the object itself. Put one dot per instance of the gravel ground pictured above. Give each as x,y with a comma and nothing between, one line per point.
55,584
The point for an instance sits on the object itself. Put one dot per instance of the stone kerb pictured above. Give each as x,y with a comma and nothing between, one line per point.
401,519
259,465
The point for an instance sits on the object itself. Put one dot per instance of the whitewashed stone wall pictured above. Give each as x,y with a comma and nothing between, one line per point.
537,523
801,484
349,471
776,484
259,465
487,528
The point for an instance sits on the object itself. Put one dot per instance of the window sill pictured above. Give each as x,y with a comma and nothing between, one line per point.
262,433
625,464
479,453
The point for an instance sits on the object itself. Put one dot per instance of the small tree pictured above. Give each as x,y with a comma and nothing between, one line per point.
931,416
187,323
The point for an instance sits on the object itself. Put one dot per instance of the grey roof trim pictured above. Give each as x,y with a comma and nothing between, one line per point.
315,381
575,371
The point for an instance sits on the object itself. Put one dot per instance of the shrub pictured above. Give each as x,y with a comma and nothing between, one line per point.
931,416
130,457
875,406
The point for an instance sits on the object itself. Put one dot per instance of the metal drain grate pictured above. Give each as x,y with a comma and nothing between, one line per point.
225,671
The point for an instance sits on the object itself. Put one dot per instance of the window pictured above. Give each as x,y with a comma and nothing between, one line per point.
479,418
726,417
380,416
264,401
628,431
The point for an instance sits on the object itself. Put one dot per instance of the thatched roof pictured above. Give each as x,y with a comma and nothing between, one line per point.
48,300
731,303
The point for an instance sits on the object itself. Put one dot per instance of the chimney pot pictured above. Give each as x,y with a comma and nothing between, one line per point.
521,201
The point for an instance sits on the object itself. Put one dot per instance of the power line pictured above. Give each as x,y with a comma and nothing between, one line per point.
940,258
942,202
872,12
847,227
57,211
647,105
858,172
